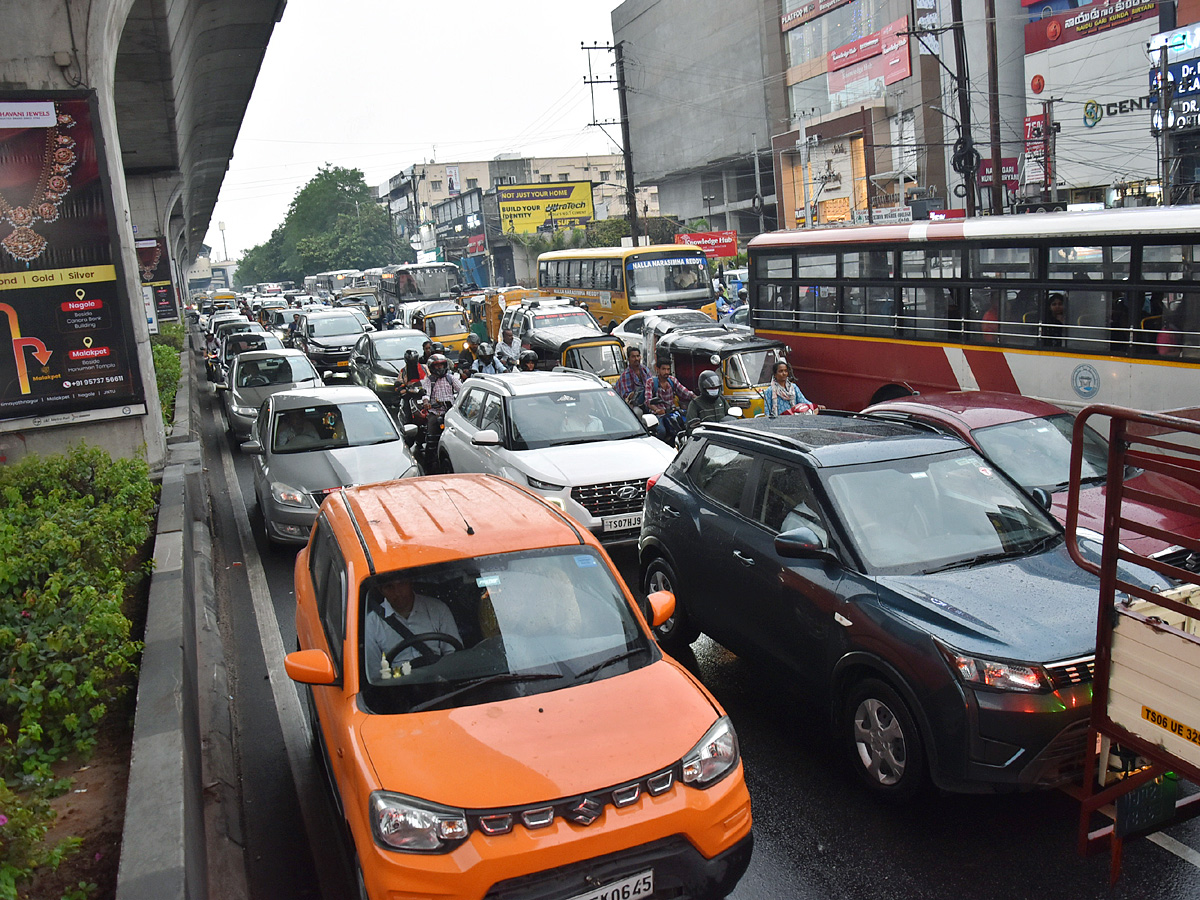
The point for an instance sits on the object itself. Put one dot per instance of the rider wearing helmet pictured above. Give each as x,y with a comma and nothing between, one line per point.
486,362
441,386
709,404
528,361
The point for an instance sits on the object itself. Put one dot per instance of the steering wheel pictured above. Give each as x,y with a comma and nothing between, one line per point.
427,638
257,381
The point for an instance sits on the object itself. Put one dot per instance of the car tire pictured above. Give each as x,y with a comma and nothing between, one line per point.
678,631
444,466
882,741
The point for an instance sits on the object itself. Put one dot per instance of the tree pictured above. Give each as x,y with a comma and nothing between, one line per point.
333,222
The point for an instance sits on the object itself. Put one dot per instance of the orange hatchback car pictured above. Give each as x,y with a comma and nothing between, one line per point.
492,711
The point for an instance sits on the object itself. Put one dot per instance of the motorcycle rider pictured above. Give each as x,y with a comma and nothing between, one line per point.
782,394
663,394
441,386
709,404
487,363
469,353
528,361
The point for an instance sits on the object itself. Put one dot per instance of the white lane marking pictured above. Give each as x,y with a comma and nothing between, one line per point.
1168,843
962,369
296,738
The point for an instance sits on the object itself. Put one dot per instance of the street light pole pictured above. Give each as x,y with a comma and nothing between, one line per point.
224,247
708,203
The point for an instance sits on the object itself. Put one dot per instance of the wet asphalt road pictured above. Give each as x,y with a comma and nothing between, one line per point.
817,834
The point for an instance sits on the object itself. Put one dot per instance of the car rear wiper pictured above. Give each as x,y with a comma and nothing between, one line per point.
595,669
498,678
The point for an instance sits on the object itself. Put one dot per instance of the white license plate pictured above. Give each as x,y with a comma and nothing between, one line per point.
622,523
636,886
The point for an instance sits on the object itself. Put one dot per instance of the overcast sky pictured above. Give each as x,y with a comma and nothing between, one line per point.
381,84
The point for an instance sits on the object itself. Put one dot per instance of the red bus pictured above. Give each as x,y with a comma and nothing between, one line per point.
1073,308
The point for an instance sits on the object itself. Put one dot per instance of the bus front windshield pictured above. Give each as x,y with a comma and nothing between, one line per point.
425,283
668,280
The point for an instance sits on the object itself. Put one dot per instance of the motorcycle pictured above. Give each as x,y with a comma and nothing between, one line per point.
671,424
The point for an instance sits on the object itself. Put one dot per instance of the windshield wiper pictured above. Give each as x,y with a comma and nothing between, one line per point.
977,560
499,678
594,670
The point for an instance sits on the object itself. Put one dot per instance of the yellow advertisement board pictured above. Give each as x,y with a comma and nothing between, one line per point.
524,208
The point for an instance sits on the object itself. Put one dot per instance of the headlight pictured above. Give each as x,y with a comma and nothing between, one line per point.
402,823
544,485
714,757
290,496
385,381
245,410
996,674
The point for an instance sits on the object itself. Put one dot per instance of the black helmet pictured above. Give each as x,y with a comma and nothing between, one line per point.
528,360
473,339
410,355
709,384
439,365
485,351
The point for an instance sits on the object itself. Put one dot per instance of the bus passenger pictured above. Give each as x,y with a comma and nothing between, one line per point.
1053,321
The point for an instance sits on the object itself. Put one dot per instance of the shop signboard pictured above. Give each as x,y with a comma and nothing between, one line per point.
715,244
861,69
1085,22
67,347
1008,172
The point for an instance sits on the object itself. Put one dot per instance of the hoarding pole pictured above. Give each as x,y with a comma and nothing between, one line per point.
630,193
1166,93
998,186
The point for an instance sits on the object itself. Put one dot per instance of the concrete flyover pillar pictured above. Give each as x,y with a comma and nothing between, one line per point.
58,45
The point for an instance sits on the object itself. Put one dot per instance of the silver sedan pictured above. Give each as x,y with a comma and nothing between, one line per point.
257,374
309,443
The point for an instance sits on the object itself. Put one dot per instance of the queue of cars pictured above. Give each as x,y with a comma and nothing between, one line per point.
900,564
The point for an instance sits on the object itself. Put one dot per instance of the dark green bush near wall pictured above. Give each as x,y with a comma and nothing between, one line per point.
69,526
170,334
166,375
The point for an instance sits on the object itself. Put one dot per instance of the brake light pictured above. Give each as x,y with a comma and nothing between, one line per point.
652,480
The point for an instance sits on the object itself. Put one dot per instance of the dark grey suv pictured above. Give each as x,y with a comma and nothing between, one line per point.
894,573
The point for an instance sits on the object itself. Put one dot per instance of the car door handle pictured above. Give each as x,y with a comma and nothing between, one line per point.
743,559
670,511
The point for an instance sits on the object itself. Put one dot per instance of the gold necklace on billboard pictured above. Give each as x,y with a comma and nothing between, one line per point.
150,267
23,243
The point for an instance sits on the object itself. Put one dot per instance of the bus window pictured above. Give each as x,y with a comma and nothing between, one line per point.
867,264
930,313
585,274
823,265
774,266
1007,263
573,273
776,305
1170,262
930,264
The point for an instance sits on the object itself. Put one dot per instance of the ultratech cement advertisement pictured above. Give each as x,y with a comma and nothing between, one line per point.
155,270
524,208
66,342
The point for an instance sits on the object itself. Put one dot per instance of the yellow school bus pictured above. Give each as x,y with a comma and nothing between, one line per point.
616,282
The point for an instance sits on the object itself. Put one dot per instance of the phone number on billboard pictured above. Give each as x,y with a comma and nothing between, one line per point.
84,382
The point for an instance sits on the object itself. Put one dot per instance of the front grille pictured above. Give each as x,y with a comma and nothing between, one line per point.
1062,760
613,498
1180,557
1071,672
582,810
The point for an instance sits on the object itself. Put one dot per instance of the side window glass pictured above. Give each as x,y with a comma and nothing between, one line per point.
720,473
328,572
493,414
783,500
469,407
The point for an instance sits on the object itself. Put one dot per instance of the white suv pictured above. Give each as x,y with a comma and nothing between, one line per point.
566,435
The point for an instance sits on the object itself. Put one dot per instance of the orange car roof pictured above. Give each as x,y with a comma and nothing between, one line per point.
420,521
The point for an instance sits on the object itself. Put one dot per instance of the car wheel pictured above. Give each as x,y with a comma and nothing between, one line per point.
444,466
678,631
882,740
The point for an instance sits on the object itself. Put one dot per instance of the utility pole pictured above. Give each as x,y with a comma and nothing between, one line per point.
1166,95
626,149
989,13
758,194
1051,148
965,155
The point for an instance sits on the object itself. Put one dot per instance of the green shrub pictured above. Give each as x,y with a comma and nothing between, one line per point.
167,370
24,821
69,526
170,334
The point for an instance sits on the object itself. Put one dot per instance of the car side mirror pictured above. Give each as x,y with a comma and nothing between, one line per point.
802,543
735,412
220,386
662,606
612,326
310,667
650,421
1043,498
253,447
409,433
486,438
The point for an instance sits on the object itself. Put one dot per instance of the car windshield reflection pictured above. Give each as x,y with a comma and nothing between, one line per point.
479,630
571,417
330,426
1037,452
931,513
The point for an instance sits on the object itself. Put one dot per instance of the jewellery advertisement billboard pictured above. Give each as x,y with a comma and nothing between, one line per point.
155,269
67,349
